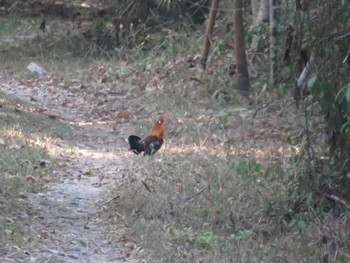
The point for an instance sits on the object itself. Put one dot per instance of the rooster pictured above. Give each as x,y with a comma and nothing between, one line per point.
152,143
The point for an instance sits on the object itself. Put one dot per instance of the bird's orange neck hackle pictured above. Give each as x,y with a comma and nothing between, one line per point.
157,130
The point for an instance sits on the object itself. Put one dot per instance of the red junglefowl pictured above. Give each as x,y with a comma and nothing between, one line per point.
152,143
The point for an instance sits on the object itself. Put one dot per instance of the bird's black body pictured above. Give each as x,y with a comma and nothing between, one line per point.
149,145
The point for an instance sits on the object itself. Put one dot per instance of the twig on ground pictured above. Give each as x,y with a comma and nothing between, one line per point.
112,199
146,186
188,197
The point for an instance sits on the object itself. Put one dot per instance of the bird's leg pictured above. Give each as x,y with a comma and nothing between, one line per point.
151,148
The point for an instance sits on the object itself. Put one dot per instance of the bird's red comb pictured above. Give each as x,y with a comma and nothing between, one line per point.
161,119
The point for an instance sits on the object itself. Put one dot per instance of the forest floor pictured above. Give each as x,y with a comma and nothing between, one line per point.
59,220
217,191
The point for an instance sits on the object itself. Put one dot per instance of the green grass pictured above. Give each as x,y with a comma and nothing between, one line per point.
11,24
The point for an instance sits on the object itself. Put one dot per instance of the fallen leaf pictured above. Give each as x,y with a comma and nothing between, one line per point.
22,195
122,115
30,179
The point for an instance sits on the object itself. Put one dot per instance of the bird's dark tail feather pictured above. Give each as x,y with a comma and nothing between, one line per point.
135,144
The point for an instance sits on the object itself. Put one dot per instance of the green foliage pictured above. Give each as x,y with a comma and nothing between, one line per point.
326,45
242,235
257,33
248,171
287,72
99,28
204,239
334,105
299,224
10,24
201,240
347,93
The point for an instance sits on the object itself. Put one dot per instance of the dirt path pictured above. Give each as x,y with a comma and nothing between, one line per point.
67,229
65,226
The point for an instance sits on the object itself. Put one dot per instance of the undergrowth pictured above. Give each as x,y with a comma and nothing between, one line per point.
221,190
197,206
224,187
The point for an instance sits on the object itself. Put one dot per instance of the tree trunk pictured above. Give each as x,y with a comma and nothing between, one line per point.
209,32
260,10
243,82
273,43
255,7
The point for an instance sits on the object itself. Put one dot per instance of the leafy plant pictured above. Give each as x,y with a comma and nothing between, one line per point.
326,90
242,235
204,239
299,224
248,171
